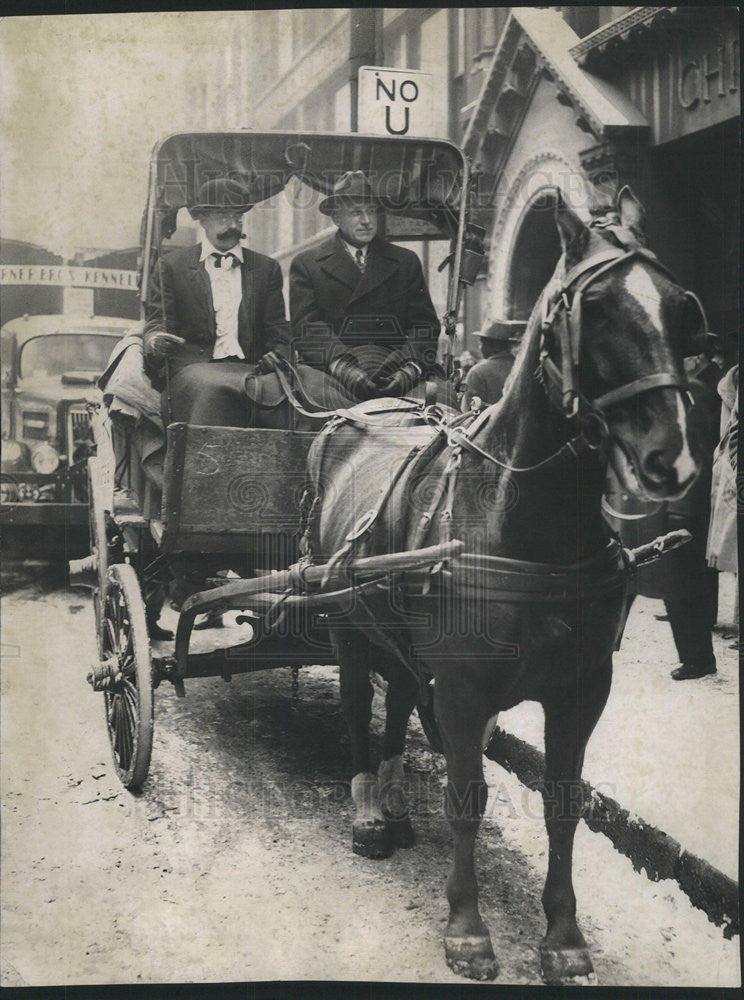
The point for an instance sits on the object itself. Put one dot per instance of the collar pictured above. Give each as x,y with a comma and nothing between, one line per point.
352,250
207,249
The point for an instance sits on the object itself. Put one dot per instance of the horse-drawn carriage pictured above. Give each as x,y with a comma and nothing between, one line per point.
463,556
234,492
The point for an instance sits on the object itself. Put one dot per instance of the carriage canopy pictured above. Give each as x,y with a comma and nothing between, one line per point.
419,181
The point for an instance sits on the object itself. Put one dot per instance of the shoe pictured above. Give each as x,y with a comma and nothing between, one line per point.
690,671
212,619
157,632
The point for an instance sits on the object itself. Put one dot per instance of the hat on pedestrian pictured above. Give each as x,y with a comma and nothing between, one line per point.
501,329
352,186
221,193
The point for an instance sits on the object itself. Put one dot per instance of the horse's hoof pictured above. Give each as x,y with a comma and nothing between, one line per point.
401,832
471,956
567,967
371,839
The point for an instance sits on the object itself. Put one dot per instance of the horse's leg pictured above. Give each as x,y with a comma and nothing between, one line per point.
462,720
370,832
569,722
400,700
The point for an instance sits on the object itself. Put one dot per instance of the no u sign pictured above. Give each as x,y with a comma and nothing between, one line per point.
395,101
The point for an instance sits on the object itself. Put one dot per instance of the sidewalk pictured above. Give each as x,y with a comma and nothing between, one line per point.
667,750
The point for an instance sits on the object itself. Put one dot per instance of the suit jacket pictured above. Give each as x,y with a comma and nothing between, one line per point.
180,302
388,305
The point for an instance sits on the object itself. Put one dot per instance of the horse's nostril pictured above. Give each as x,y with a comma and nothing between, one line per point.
654,465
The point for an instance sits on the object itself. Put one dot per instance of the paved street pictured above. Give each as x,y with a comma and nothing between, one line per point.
234,863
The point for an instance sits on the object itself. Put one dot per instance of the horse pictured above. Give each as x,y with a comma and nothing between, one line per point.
534,607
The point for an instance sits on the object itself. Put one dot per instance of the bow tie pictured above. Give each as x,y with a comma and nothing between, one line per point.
227,259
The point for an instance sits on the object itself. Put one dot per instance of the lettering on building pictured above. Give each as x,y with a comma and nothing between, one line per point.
710,76
68,277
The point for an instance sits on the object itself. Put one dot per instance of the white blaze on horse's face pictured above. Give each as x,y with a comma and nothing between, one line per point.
641,287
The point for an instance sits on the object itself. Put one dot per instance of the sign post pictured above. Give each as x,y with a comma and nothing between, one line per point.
396,102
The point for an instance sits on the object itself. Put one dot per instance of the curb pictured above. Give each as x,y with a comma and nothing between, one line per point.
649,849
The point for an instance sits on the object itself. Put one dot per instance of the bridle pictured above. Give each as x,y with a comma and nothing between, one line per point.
562,319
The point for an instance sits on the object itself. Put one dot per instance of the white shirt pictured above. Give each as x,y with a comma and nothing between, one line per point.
352,251
227,294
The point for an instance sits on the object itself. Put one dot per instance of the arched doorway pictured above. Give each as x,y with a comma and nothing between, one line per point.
535,253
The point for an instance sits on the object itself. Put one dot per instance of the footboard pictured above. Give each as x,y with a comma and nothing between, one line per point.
227,489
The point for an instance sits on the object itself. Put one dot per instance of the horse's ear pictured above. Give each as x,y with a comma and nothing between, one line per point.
631,211
571,229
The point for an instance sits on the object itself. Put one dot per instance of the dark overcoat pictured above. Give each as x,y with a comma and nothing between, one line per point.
180,302
487,378
388,305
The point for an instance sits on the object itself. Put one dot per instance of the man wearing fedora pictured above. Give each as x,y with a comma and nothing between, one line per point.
486,379
213,312
369,295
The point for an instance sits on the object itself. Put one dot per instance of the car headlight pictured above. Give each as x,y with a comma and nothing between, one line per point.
44,459
8,490
12,451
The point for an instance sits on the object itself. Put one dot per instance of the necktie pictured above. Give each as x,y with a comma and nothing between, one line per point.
361,260
229,259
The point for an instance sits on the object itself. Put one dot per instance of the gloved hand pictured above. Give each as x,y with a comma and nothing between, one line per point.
402,381
161,345
268,363
352,378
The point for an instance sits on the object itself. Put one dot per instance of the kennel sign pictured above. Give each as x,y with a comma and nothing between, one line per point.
395,102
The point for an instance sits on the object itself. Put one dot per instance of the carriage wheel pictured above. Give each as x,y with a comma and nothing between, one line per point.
97,535
129,699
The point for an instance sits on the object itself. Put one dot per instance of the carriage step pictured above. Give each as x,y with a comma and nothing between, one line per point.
131,521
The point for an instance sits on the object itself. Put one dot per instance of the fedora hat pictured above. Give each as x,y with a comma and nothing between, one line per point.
351,186
221,193
501,329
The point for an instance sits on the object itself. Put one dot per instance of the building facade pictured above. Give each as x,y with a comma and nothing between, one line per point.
540,99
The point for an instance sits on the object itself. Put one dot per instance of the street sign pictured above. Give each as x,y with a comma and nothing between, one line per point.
395,102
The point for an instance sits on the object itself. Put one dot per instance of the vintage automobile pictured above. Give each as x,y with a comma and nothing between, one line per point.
50,365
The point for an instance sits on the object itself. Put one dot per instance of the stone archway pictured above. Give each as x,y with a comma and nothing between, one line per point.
522,239
534,254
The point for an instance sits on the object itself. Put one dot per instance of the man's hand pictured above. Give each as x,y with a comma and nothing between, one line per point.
161,345
402,381
268,363
352,378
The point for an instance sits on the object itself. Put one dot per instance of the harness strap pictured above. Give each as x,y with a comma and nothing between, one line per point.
365,524
635,388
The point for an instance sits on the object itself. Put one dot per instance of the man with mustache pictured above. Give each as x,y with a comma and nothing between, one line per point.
371,297
214,311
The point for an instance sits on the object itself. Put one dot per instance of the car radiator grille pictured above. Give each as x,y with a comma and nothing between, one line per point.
78,429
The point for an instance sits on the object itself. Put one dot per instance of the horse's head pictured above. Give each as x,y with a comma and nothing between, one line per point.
615,326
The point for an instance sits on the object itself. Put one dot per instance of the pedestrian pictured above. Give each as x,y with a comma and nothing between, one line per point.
486,379
721,550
